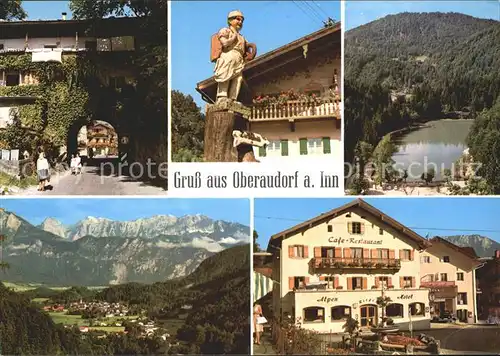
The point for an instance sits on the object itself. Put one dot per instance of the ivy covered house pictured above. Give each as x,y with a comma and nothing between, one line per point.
59,76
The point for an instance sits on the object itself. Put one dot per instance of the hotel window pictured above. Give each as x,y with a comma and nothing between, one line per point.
444,277
425,259
314,315
380,231
355,228
104,44
273,148
394,310
446,259
122,43
460,276
314,146
383,253
299,251
407,282
417,309
357,252
405,255
462,298
341,313
330,228
299,282
383,281
330,282
329,252
12,79
357,283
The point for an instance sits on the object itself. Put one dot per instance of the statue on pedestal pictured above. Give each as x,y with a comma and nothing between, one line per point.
230,52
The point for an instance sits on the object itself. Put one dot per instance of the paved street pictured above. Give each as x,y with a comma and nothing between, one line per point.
100,178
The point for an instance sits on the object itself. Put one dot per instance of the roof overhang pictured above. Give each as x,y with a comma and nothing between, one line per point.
277,239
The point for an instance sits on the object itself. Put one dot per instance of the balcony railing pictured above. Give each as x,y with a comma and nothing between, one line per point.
297,109
347,263
437,284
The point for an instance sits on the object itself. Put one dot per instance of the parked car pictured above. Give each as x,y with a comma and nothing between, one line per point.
445,317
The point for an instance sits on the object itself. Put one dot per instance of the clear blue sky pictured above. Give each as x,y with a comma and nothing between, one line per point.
361,12
424,215
268,24
46,10
69,211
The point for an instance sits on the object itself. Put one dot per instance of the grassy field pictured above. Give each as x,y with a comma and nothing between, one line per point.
23,287
61,318
172,325
109,329
8,180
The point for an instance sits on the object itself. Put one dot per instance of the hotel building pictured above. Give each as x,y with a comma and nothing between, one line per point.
335,266
449,271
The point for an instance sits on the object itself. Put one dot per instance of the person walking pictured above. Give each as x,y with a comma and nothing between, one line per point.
258,319
42,168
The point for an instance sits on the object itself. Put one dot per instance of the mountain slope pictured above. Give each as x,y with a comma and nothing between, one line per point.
483,246
39,256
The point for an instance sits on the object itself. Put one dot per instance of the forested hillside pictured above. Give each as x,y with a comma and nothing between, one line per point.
411,68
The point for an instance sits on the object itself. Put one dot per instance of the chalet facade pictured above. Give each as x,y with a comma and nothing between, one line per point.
294,96
449,271
112,42
488,278
336,265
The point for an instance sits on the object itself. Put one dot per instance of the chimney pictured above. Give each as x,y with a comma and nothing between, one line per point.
64,15
497,254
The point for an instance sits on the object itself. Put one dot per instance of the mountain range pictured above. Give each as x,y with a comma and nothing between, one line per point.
99,251
482,245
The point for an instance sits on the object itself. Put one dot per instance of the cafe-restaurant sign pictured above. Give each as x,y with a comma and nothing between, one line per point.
354,241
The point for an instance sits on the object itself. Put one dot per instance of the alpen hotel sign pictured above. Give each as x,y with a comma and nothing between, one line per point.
354,241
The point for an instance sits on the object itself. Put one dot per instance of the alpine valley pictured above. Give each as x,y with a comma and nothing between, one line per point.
99,251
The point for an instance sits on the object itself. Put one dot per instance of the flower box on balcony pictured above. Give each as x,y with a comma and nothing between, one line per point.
339,287
380,265
374,287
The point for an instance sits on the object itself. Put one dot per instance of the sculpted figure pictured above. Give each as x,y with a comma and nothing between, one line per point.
230,52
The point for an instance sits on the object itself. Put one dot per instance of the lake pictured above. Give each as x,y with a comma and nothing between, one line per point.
441,142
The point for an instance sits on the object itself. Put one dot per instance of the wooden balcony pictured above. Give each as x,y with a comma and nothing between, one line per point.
437,284
296,110
339,263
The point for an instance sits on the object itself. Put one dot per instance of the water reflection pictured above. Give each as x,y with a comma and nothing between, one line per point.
442,143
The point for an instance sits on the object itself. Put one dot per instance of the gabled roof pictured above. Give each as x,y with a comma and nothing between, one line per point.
206,86
421,242
466,251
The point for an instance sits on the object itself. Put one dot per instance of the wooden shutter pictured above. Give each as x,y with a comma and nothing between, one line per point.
412,254
303,146
349,283
290,251
284,147
413,282
365,283
335,282
401,281
347,252
338,251
374,253
306,251
262,151
389,281
317,252
377,282
321,278
400,254
349,227
366,253
291,282
392,254
326,145
362,228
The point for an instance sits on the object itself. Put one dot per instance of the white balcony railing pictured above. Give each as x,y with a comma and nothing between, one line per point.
297,109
